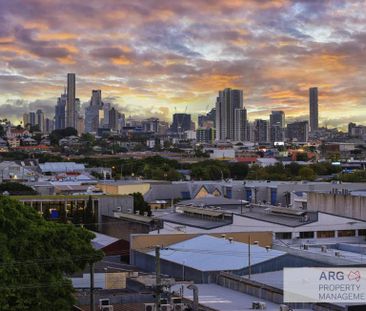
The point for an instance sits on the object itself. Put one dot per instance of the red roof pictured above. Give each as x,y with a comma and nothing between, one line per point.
246,159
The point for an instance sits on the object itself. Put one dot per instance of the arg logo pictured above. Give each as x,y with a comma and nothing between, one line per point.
339,276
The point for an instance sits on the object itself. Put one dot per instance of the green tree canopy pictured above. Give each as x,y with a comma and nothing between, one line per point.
15,188
36,256
56,135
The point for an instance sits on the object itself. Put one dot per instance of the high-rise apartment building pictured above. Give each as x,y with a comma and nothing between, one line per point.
261,131
226,103
25,120
32,118
240,122
60,111
71,103
298,131
94,113
313,109
277,126
40,120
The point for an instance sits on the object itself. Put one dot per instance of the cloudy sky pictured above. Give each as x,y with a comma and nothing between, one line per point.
158,57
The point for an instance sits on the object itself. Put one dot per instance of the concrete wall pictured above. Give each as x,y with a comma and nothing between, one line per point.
122,229
108,204
144,241
266,292
344,205
124,189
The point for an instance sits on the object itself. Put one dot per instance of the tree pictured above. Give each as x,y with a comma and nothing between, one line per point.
239,170
306,173
56,135
36,256
14,188
139,204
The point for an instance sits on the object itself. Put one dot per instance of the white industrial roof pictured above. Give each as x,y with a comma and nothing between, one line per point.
59,167
207,253
102,240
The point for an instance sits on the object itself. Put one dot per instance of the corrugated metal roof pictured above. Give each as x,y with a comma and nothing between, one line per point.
207,253
59,167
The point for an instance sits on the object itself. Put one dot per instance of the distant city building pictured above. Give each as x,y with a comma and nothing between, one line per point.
277,126
94,113
32,118
205,135
355,130
71,103
313,107
49,125
207,120
181,123
261,131
40,121
150,125
240,131
60,111
25,120
114,116
226,103
298,131
80,125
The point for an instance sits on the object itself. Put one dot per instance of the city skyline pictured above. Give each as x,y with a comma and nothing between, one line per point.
148,61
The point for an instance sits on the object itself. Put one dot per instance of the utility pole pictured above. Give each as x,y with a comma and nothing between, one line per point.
249,258
92,305
158,277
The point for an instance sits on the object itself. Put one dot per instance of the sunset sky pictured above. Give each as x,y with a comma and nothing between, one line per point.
153,58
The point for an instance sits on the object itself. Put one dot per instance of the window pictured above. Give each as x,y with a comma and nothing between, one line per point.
283,235
343,233
186,195
362,232
307,235
326,234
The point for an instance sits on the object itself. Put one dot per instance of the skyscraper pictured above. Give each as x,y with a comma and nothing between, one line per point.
40,120
60,111
313,107
32,118
71,104
240,131
26,120
261,131
226,103
277,126
94,112
298,131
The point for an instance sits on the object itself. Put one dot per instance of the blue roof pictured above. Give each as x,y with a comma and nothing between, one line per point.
207,253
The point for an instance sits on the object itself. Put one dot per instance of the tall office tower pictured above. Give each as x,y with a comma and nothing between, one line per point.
240,132
113,119
71,104
121,122
105,121
60,111
40,120
181,123
313,107
277,126
49,125
261,131
205,135
80,125
32,118
298,131
25,120
226,103
94,113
